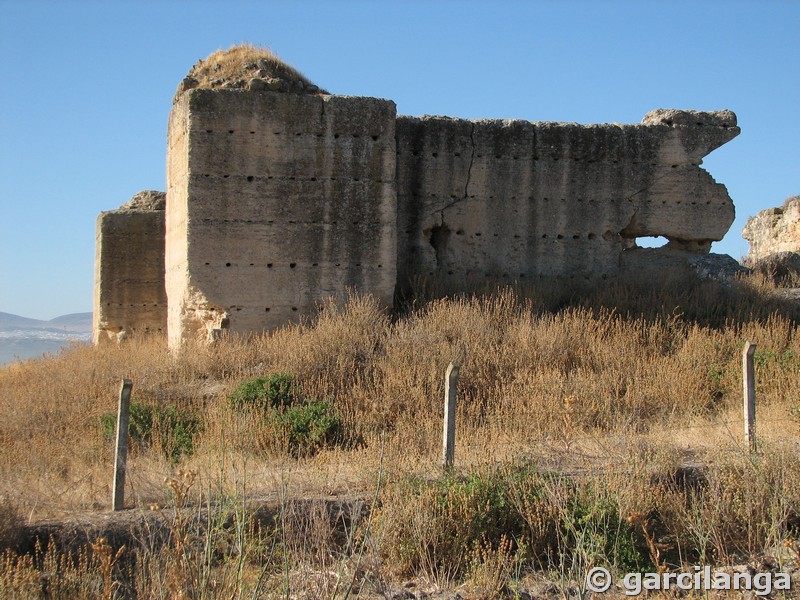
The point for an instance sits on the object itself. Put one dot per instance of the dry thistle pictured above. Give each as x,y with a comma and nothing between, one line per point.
491,567
568,417
179,576
102,554
640,520
793,546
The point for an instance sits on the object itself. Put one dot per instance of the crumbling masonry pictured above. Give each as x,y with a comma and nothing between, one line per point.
129,294
774,232
276,201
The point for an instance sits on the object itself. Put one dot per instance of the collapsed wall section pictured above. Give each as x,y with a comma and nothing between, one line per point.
129,292
277,201
514,200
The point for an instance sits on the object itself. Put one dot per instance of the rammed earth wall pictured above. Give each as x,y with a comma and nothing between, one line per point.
279,200
129,293
516,199
276,201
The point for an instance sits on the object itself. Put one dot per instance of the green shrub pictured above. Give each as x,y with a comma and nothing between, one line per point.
549,520
309,426
591,525
433,526
303,425
140,424
172,428
177,430
273,391
786,361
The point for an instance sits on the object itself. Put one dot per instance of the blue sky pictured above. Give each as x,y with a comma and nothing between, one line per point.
86,88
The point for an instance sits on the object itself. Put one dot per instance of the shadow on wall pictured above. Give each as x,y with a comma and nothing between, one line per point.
683,296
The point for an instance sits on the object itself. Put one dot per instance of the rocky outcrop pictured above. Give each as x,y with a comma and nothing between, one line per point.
773,231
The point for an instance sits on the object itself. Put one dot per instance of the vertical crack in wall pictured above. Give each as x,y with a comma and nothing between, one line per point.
469,174
471,160
440,234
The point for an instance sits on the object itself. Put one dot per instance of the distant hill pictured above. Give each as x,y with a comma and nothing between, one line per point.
23,338
78,322
9,321
81,320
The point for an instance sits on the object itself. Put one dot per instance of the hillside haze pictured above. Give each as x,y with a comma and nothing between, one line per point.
22,338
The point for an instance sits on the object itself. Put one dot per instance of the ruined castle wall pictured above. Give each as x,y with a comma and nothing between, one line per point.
129,292
277,201
516,200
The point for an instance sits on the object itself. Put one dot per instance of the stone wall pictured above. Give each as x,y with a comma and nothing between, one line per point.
129,294
517,200
774,231
277,201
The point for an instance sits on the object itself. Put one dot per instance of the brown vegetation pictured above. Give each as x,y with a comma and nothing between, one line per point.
236,66
596,401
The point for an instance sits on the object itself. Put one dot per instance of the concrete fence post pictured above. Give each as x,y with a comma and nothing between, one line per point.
121,451
449,432
749,386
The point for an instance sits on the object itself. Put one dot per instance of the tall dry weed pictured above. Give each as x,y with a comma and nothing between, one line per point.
570,380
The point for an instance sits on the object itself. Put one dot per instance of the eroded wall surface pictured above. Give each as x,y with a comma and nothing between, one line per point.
516,199
129,293
276,202
774,231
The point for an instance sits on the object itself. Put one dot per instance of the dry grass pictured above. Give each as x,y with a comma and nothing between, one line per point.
10,524
790,200
236,66
621,387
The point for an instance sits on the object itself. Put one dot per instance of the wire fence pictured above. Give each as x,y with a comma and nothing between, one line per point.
562,439
743,435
